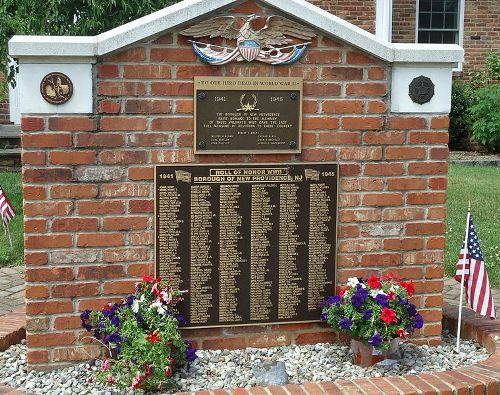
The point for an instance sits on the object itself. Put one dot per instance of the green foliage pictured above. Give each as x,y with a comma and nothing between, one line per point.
461,101
374,311
493,65
142,336
67,17
485,114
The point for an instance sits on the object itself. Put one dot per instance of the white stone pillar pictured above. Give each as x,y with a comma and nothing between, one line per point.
383,20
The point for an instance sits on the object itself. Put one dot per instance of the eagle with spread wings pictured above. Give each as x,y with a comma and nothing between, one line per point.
276,32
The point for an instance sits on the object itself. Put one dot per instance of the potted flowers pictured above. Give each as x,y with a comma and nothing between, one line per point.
373,313
142,337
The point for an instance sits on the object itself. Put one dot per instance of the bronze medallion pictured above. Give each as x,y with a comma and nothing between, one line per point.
56,88
253,243
421,90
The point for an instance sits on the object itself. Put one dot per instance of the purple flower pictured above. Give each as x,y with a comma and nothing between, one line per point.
410,329
375,340
359,296
108,313
402,301
412,310
115,321
190,351
382,300
323,317
180,318
418,321
367,314
130,300
140,319
322,304
335,300
85,315
345,323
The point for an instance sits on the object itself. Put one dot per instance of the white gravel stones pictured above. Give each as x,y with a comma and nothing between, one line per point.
228,369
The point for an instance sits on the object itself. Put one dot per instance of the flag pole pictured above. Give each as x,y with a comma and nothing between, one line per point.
7,233
466,242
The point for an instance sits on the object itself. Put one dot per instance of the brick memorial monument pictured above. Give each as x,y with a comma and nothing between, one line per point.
280,164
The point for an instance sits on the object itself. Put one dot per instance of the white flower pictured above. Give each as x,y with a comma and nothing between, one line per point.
166,297
394,288
159,308
374,293
352,281
135,304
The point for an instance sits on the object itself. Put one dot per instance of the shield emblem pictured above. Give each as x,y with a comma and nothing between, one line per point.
249,49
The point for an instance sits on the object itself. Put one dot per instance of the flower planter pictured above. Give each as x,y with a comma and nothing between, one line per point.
365,355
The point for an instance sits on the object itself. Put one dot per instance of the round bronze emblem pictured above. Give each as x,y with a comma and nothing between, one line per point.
421,89
56,88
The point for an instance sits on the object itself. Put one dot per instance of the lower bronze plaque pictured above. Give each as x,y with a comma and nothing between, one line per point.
247,115
252,243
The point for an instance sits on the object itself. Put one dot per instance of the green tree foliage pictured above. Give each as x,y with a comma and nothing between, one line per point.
485,114
485,109
67,17
459,116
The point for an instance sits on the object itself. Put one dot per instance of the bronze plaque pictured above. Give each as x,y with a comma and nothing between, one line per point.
56,88
253,244
247,115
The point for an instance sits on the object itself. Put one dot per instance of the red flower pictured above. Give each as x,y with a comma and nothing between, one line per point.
149,279
388,315
374,282
153,337
410,288
342,292
391,276
391,295
402,333
168,371
170,360
110,380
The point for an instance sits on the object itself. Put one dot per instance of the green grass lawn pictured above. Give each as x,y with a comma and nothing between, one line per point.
11,184
479,184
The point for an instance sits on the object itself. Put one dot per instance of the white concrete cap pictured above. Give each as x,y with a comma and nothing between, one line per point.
188,10
32,102
403,75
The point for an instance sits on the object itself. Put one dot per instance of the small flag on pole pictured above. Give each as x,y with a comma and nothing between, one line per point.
6,209
475,276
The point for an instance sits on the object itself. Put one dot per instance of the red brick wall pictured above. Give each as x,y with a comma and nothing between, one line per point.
482,18
88,186
360,12
404,13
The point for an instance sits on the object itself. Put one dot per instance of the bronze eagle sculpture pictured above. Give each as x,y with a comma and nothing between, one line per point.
252,43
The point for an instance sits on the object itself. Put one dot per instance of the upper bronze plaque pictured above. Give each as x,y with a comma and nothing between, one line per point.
247,115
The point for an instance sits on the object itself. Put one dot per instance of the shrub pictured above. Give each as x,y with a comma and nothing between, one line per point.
459,117
485,115
142,337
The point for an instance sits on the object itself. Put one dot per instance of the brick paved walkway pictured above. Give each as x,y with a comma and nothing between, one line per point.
11,288
452,294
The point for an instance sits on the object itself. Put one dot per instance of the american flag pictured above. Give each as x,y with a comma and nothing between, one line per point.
477,285
6,208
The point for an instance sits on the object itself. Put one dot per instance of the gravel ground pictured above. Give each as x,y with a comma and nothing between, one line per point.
472,155
228,369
